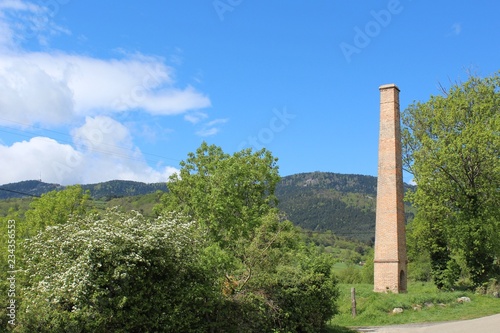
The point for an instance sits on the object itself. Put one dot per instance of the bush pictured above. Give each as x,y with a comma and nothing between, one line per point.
492,287
121,272
281,285
297,299
117,273
306,298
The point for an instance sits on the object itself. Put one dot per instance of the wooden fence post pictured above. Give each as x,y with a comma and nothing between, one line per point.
353,302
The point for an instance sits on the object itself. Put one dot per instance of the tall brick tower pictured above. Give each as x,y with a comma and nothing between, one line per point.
390,272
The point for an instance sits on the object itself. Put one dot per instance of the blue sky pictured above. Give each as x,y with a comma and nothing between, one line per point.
98,90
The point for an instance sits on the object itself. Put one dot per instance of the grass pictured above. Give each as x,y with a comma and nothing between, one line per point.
375,309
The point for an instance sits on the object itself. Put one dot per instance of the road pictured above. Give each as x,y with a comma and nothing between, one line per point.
490,324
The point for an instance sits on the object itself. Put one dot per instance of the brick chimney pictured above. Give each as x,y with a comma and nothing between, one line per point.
390,262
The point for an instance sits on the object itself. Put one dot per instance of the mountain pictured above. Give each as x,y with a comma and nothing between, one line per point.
101,191
344,204
27,188
315,201
122,188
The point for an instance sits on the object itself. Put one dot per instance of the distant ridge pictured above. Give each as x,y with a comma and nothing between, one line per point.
102,191
122,188
26,188
315,201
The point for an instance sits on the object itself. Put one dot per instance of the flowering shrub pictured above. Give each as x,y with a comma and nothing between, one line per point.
118,272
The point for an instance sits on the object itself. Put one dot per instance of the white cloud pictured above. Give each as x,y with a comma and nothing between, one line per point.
23,20
29,95
103,134
195,117
103,150
56,87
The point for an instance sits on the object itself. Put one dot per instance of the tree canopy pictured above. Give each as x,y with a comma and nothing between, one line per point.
451,145
55,208
226,193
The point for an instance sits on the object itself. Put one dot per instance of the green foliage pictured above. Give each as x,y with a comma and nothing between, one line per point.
30,187
275,283
117,272
322,201
451,145
367,273
144,203
319,201
54,208
375,309
349,275
226,193
316,206
270,281
241,267
8,206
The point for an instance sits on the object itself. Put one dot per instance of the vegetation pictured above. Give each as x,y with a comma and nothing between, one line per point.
452,147
222,259
55,208
117,272
227,194
271,280
122,188
423,303
322,201
33,188
216,252
317,201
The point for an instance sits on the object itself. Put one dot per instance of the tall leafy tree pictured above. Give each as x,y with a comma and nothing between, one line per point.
269,280
451,146
228,194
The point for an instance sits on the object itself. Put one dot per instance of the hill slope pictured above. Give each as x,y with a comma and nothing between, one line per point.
317,201
101,191
26,188
320,201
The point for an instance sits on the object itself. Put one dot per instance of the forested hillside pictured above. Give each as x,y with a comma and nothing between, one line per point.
317,201
320,201
122,188
26,188
101,191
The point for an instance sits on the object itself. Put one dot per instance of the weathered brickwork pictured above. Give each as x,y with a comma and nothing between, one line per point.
390,266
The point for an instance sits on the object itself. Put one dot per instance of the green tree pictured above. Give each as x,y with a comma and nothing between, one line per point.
226,193
118,272
452,148
270,281
54,208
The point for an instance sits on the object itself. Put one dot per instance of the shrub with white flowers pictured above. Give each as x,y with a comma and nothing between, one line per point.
117,272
